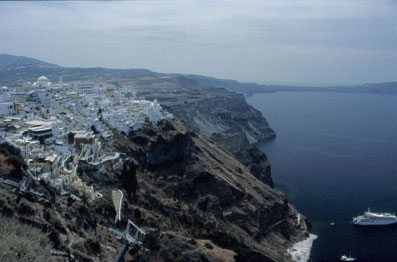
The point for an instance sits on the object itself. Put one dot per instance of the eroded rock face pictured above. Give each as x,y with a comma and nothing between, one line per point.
165,151
214,111
217,113
210,204
128,178
254,159
186,191
214,196
161,145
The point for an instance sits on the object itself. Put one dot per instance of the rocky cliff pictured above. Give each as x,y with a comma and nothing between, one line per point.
194,199
196,184
221,115
205,194
210,111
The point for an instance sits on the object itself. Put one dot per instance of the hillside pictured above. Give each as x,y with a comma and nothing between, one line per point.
195,201
14,70
195,184
10,62
221,115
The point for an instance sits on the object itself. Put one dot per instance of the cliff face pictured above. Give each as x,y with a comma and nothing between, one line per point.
206,193
223,116
226,113
153,150
194,199
210,111
197,186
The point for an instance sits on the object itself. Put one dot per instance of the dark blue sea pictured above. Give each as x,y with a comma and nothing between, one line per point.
335,155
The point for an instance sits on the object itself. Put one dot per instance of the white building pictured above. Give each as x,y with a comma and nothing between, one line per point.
5,94
105,104
58,128
41,82
27,86
7,109
104,87
60,82
44,97
132,116
86,88
153,111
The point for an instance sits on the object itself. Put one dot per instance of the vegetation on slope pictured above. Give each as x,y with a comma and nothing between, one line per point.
21,242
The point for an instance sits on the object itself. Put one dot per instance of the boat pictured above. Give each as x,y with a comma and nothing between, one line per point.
347,258
332,224
374,219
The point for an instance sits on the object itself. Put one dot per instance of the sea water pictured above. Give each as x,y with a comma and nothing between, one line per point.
335,155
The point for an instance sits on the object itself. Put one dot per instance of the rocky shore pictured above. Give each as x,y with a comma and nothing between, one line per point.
300,251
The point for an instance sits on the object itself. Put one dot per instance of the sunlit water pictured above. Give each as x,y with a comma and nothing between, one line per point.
335,155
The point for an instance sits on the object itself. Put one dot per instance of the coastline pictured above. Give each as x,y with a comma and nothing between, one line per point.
300,251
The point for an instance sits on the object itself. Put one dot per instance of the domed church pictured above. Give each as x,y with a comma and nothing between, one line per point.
42,81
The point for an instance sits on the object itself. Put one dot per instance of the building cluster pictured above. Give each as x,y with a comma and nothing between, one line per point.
64,129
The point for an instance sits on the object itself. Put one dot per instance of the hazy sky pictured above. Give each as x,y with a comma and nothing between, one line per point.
278,41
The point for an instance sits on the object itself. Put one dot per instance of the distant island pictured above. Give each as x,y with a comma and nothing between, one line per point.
16,69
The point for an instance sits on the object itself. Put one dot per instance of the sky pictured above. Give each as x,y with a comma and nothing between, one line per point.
305,42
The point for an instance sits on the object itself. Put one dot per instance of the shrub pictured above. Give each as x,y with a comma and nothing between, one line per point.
78,247
81,257
20,242
196,255
175,246
92,246
24,208
55,222
152,239
12,157
7,201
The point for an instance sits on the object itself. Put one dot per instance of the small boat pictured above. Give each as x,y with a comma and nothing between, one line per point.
347,258
332,224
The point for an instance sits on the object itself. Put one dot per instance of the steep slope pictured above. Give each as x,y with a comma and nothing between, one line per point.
224,201
209,111
223,116
195,201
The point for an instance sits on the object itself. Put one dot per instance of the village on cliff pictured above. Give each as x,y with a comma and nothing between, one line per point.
62,127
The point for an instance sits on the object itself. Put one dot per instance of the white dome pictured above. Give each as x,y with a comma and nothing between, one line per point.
42,81
42,78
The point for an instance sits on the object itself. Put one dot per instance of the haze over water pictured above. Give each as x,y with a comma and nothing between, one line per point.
335,155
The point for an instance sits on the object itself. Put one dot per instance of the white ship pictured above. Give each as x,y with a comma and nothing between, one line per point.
375,219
